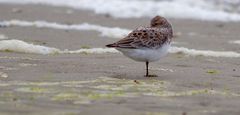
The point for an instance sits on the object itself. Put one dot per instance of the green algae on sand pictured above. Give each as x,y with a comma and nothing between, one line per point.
33,90
212,72
88,91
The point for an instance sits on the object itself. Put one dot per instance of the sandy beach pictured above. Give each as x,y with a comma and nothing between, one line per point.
110,83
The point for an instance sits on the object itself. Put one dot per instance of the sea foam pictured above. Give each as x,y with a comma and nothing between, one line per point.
235,42
183,9
113,32
92,51
209,53
24,47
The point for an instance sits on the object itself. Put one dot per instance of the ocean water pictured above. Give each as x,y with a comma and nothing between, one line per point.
210,10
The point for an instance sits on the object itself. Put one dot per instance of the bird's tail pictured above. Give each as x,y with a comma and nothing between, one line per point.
111,45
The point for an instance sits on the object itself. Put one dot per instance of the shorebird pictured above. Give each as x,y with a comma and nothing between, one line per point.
147,44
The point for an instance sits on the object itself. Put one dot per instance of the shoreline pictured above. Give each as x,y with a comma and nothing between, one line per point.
104,83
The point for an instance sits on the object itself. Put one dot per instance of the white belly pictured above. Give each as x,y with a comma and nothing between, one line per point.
144,55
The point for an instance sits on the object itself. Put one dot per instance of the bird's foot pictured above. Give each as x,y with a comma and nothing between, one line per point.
150,76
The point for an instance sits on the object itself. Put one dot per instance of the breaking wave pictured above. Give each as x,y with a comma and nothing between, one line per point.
24,47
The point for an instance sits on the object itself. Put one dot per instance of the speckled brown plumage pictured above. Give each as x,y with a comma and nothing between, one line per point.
153,37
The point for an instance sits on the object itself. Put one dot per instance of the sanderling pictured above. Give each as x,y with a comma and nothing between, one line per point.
147,44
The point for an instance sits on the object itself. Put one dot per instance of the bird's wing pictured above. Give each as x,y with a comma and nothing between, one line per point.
143,38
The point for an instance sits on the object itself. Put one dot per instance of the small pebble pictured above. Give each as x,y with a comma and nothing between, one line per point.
137,82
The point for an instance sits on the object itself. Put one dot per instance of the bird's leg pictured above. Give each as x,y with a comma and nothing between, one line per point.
147,69
147,75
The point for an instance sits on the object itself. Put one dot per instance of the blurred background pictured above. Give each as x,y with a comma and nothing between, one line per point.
219,10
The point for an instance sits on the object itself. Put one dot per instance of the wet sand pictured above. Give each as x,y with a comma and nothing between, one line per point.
111,84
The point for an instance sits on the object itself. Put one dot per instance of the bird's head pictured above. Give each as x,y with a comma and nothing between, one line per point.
159,21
